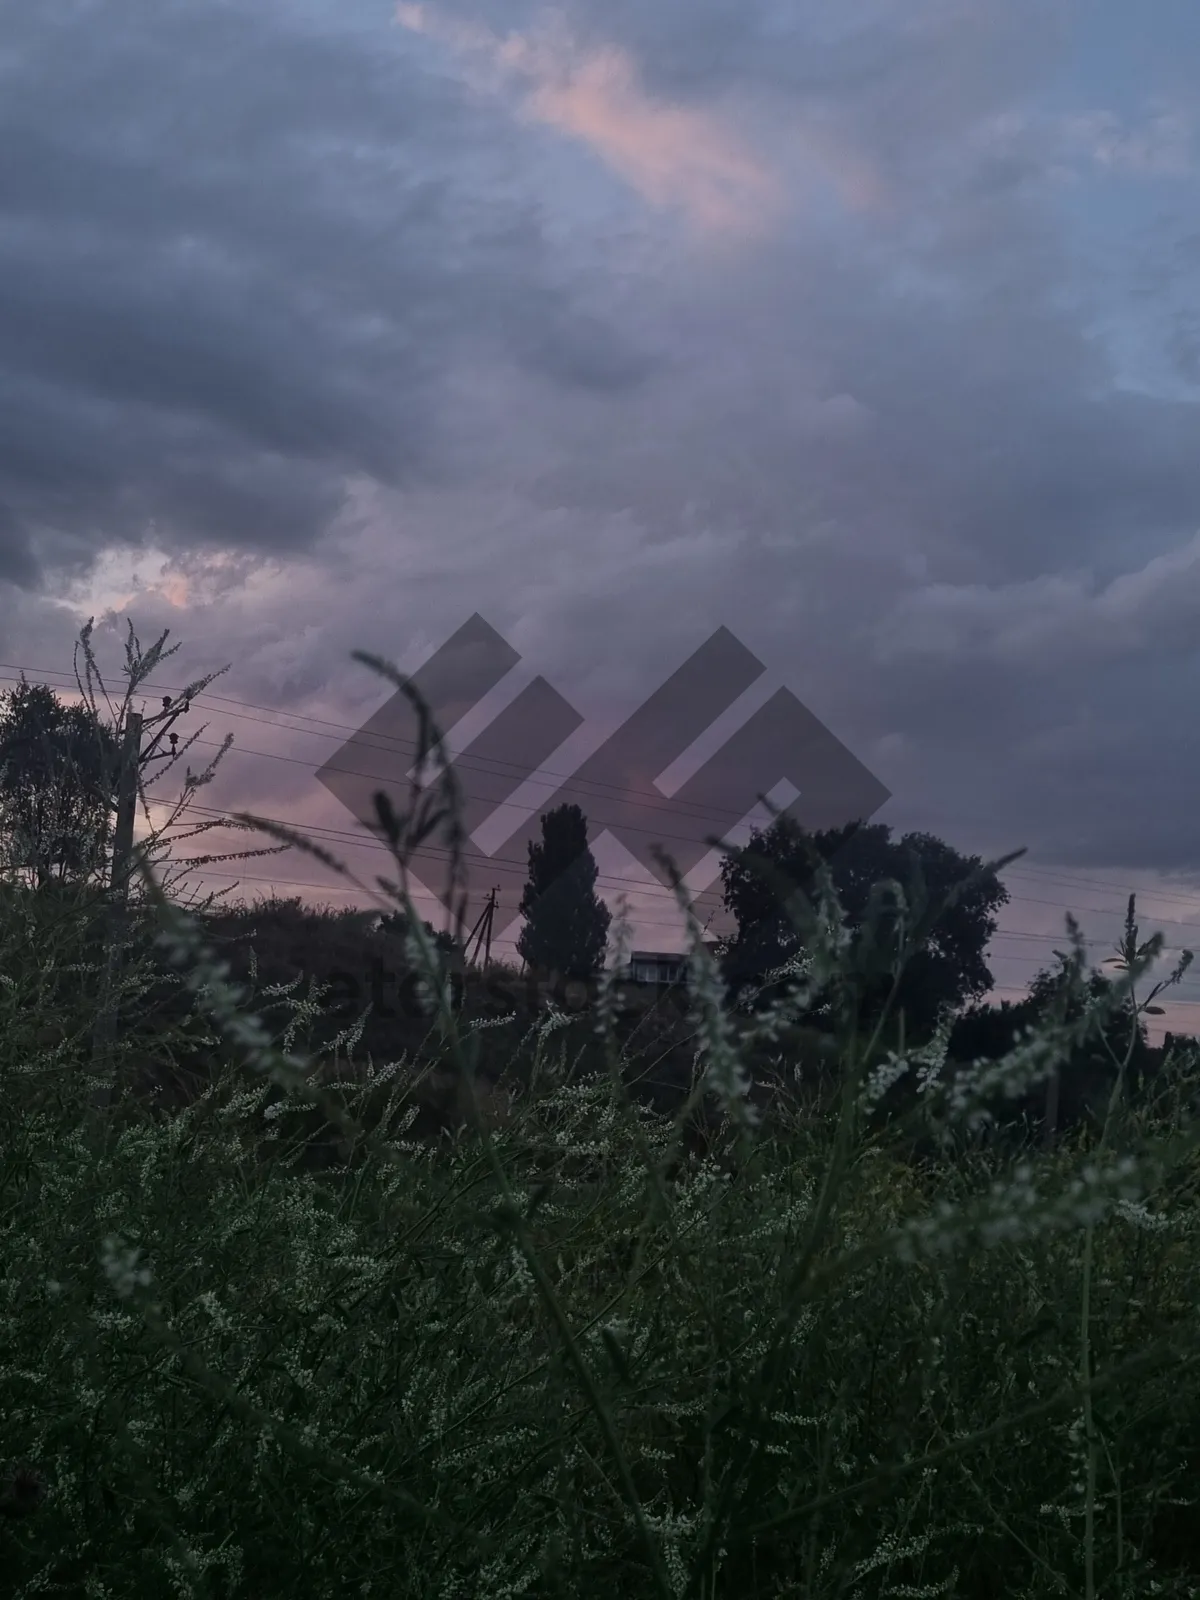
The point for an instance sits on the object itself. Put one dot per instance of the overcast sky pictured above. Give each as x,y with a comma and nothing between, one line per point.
868,331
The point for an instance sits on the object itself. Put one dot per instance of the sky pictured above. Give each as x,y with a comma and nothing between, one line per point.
870,333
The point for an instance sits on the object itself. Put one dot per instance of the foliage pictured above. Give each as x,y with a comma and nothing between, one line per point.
553,1359
988,1031
949,967
397,924
57,778
527,1365
1123,1033
566,922
161,836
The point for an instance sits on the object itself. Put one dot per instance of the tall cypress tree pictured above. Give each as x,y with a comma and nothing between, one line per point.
566,922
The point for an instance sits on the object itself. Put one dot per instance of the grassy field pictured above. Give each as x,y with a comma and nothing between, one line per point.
552,1356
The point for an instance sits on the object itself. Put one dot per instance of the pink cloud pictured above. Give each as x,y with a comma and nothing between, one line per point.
674,156
671,155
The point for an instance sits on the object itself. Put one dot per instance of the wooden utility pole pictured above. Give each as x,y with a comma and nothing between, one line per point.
481,933
487,928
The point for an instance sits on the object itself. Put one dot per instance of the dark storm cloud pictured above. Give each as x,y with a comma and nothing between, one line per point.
235,254
979,426
959,316
908,76
280,272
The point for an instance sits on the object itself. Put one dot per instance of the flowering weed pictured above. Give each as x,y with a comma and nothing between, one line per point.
551,1358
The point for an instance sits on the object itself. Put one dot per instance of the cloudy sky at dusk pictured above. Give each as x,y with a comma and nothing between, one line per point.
868,331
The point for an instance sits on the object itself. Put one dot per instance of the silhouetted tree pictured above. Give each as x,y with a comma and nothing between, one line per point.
946,971
448,952
1091,1070
988,1032
396,924
57,777
566,923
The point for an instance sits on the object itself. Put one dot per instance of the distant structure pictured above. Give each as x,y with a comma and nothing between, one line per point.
660,967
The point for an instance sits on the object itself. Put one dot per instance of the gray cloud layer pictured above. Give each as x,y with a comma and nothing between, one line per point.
429,324
236,254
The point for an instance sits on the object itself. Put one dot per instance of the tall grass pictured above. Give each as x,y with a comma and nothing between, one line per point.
557,1358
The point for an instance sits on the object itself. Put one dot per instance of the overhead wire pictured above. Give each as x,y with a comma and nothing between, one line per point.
390,744
624,791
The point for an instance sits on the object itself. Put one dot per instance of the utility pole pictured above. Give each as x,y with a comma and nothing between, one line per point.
481,933
132,759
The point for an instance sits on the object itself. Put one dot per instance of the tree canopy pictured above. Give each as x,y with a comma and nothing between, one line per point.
566,922
57,772
396,923
1087,1076
947,971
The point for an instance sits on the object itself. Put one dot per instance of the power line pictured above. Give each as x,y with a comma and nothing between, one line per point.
464,762
640,885
330,888
298,883
1124,890
499,767
680,838
653,888
486,763
491,765
443,852
617,880
1026,961
649,888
